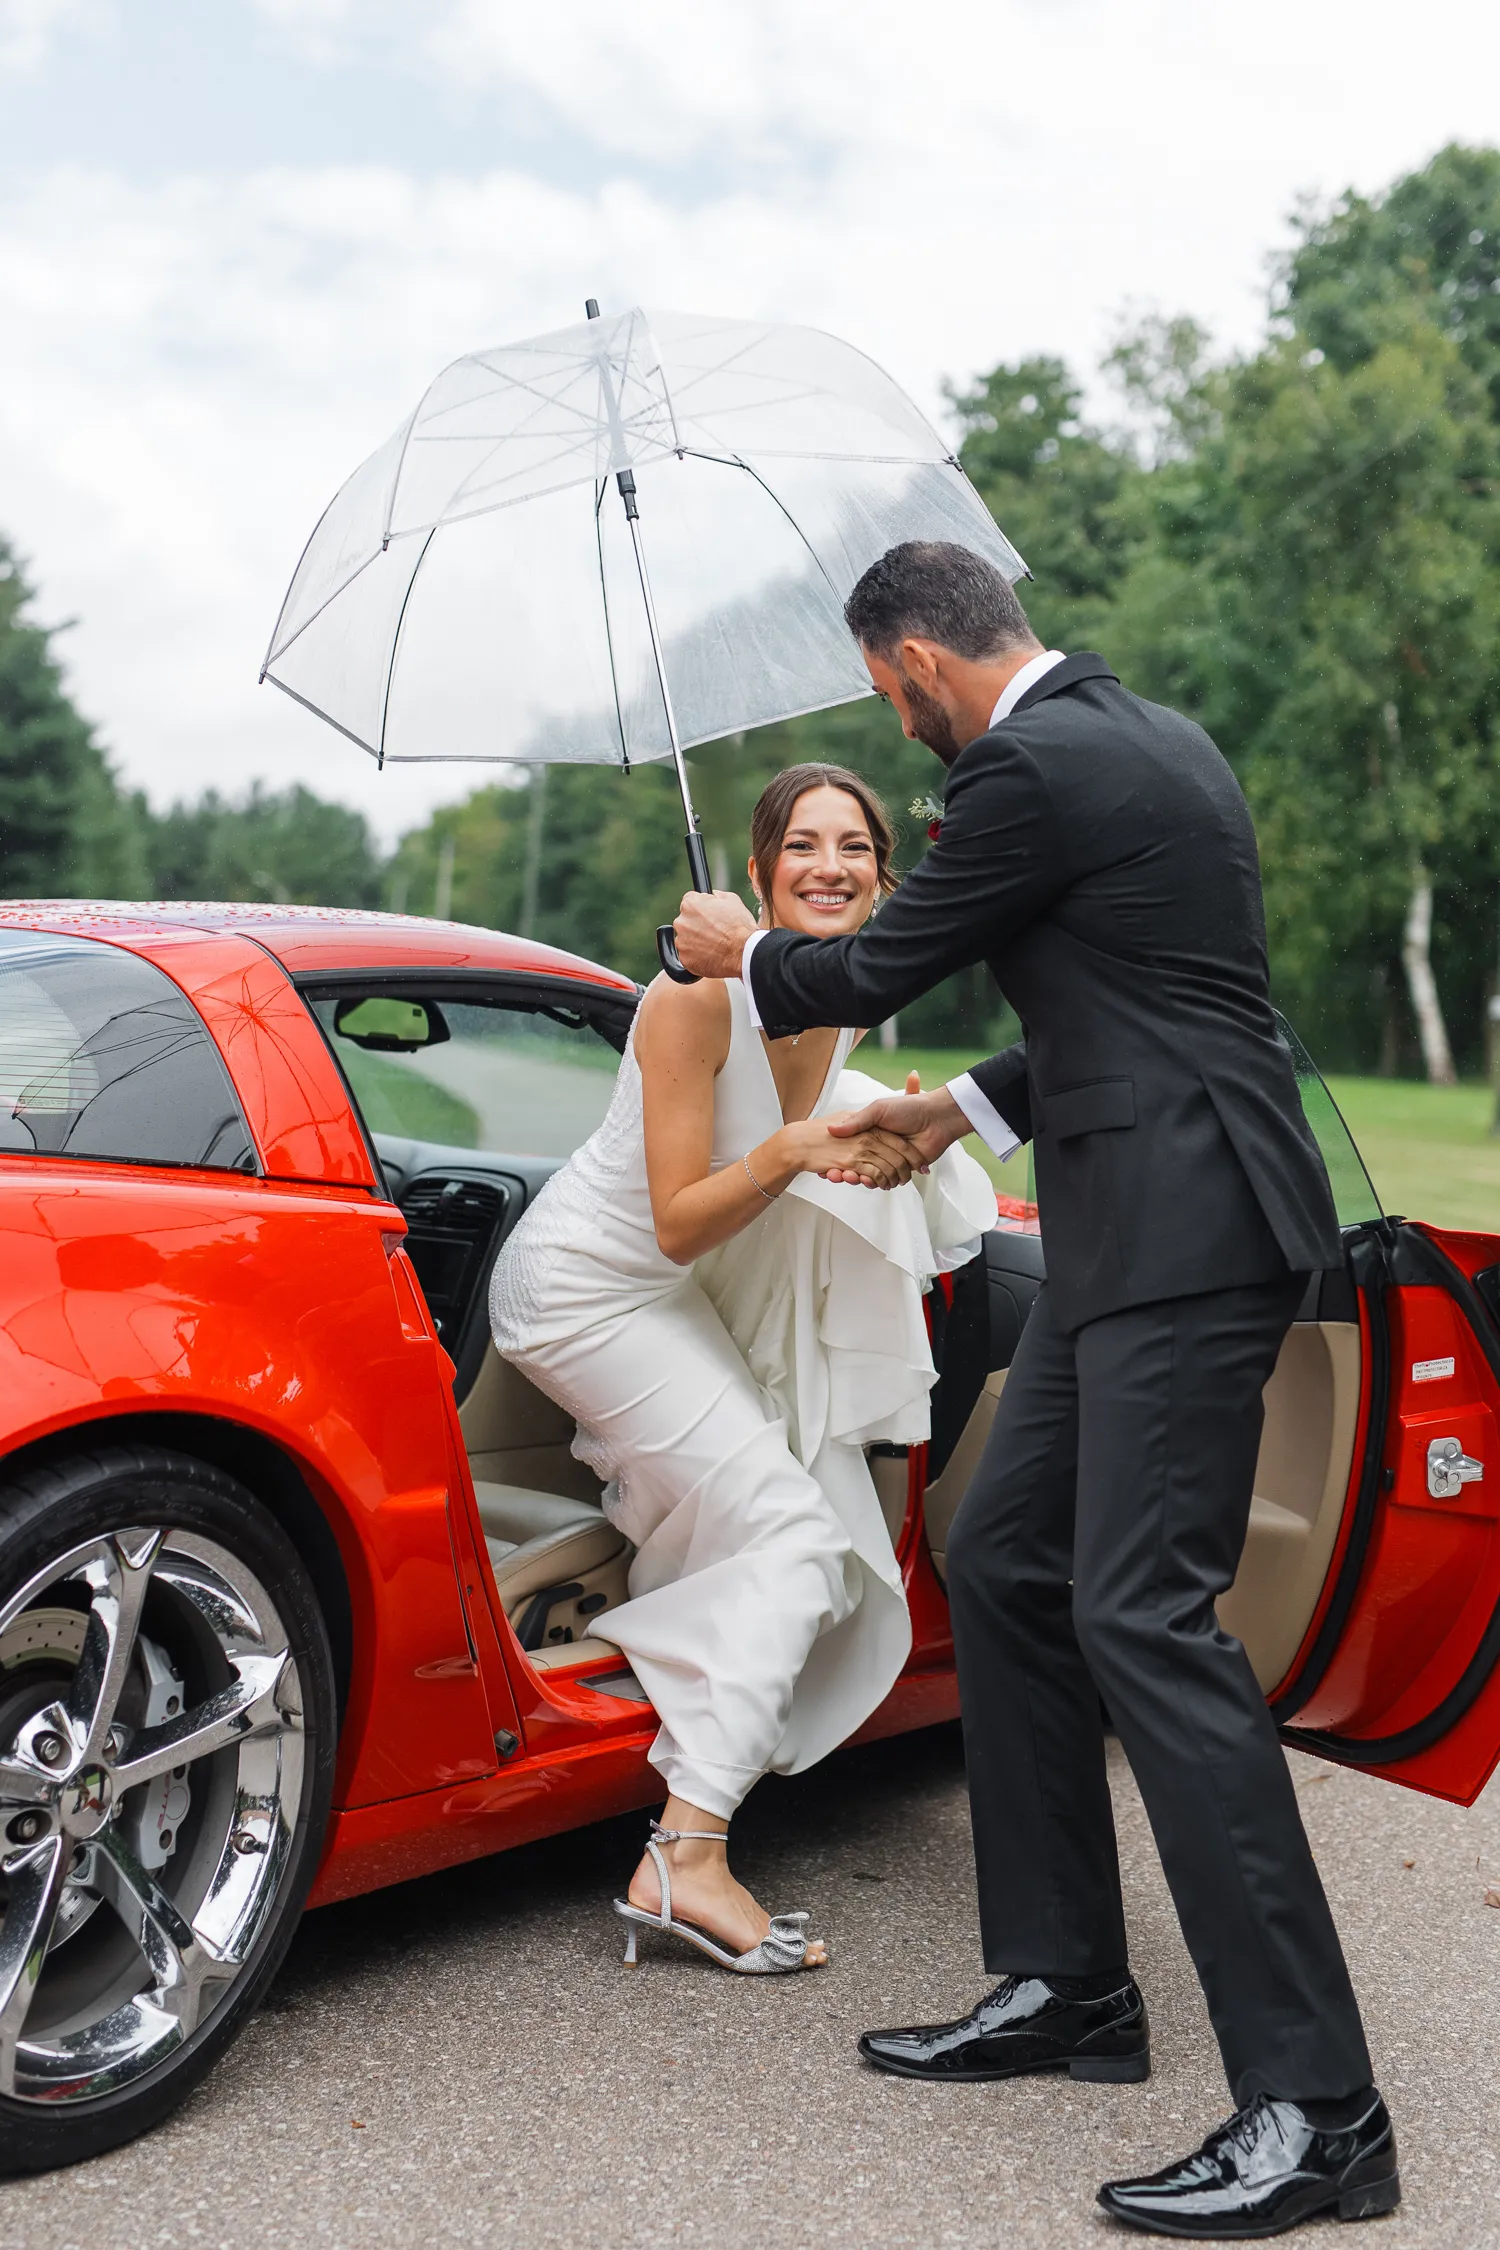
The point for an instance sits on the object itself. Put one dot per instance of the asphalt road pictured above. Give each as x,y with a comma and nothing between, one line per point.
466,2061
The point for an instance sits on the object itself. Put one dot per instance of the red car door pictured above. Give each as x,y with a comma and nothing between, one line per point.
1399,1673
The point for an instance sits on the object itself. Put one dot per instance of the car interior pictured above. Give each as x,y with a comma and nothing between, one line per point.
1306,1449
504,1072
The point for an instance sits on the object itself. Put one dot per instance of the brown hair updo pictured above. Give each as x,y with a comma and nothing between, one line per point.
778,801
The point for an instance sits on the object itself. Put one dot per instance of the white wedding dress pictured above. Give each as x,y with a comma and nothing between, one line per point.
726,1405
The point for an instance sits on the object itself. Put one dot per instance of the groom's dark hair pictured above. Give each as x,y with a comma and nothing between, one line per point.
931,590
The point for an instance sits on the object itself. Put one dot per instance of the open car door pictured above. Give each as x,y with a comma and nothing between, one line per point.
1399,1671
1368,1594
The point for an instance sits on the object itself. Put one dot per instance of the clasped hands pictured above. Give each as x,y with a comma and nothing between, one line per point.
888,1140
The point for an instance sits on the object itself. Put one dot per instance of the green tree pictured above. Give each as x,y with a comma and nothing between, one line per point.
1432,241
65,829
1428,250
1333,593
286,845
1059,488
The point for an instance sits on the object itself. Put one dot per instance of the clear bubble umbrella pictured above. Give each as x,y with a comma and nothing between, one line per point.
606,545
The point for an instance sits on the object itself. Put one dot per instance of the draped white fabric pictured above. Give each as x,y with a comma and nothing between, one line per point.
727,1407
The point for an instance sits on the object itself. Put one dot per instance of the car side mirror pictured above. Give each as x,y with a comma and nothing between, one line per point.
384,1026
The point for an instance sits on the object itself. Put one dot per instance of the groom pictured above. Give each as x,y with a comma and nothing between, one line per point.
1096,851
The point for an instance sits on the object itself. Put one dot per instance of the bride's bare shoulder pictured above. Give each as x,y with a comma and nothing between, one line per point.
685,1021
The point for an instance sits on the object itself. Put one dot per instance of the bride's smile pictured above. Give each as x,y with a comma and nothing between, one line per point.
826,878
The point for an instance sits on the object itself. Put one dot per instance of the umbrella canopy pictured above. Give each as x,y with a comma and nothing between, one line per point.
477,591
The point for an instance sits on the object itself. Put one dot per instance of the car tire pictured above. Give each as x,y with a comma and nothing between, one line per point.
167,1736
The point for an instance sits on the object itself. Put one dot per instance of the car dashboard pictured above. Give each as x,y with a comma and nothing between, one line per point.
459,1205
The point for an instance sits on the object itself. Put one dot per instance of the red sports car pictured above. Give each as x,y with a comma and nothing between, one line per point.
297,1577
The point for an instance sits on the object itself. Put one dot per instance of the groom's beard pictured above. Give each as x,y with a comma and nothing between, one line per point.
932,723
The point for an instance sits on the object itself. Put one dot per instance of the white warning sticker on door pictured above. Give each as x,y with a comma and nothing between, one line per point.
1430,1370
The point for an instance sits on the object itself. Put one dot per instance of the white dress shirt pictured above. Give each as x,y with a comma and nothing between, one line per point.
981,1112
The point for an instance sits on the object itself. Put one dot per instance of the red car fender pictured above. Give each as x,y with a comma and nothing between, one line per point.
123,1294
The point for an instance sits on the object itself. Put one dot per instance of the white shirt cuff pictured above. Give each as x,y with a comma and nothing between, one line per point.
751,943
979,1110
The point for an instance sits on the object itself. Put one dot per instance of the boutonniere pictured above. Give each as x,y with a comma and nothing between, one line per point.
928,809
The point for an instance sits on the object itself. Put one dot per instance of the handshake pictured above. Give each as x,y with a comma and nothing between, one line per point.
881,1145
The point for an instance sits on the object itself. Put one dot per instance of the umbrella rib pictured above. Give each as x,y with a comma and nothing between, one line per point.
701,375
600,489
666,388
327,716
517,383
273,652
496,507
390,505
390,670
271,649
585,438
585,432
467,484
871,460
776,500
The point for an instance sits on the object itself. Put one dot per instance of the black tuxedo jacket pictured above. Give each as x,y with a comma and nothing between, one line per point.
1097,853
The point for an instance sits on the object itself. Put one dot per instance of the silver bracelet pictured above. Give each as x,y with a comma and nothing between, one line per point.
754,1182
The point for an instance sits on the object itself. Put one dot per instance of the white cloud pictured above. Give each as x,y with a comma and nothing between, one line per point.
190,365
29,28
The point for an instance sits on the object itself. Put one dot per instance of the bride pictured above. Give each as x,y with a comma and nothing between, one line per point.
730,1329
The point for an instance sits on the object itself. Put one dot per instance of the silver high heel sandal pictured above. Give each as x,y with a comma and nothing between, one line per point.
781,1950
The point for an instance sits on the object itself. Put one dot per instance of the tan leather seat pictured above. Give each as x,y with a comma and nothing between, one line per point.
541,1540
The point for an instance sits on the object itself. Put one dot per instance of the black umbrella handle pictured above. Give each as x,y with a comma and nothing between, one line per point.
666,943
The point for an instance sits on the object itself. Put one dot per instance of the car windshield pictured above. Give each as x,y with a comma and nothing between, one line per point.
517,1080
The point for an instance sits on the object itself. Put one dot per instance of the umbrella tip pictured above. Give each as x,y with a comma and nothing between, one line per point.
591,307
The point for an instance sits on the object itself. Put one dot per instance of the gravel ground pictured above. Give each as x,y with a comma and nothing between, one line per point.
465,2060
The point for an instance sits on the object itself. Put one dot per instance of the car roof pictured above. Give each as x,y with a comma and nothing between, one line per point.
310,939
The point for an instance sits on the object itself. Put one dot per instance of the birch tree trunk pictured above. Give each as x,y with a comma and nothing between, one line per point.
1416,956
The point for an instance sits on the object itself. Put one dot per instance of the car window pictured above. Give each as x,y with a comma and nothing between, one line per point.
519,1081
101,1056
1354,1196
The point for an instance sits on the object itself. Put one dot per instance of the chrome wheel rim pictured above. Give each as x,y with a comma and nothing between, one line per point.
148,1803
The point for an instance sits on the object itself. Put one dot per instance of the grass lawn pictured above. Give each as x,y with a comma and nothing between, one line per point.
397,1099
1428,1149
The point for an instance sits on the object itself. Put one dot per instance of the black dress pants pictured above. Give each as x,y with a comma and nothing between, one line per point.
1108,1512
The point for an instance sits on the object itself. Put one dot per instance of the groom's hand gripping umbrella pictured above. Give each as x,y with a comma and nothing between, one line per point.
609,544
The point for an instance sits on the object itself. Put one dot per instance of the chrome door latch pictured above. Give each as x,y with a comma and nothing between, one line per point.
1449,1468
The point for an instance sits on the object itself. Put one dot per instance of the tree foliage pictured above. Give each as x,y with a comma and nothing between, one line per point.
65,831
1299,546
288,846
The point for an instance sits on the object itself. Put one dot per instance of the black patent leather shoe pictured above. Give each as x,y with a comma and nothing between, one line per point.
1024,2026
1267,2169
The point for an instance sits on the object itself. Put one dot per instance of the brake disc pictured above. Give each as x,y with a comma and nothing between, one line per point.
44,1641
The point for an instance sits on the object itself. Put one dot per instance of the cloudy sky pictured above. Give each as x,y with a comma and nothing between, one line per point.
237,237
